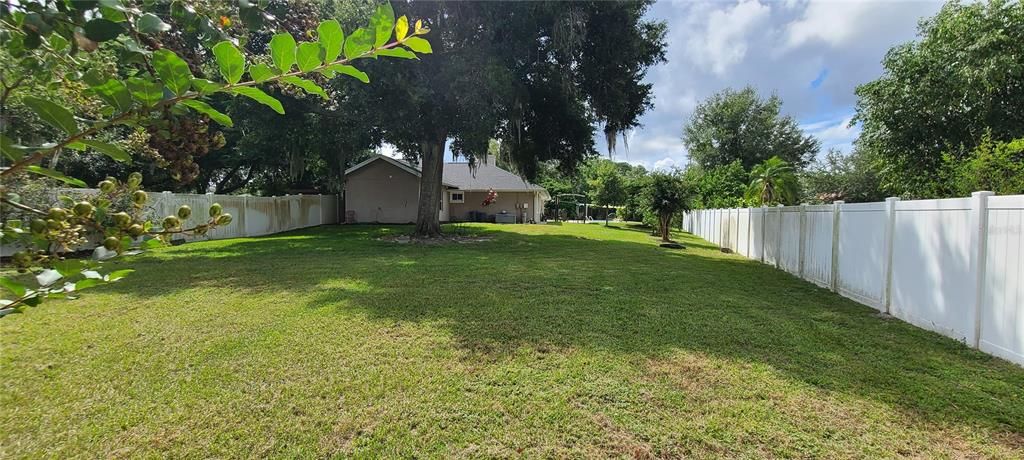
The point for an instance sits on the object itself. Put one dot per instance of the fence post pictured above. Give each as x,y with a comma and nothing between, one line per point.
979,243
890,237
764,234
778,238
241,216
837,207
750,222
803,238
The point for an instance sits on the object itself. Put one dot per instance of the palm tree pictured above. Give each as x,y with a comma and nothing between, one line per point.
772,182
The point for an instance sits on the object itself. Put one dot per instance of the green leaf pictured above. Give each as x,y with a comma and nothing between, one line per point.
53,114
173,71
15,287
69,267
308,56
55,175
87,283
259,96
147,92
358,43
151,244
204,86
205,109
230,61
118,274
350,71
331,38
109,150
306,85
382,22
11,150
149,23
282,51
261,72
401,28
418,45
397,53
115,93
101,30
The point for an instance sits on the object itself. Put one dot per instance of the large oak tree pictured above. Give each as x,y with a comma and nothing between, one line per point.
540,77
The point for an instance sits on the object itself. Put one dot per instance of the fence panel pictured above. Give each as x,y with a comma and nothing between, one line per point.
931,281
1002,313
953,266
862,253
789,252
818,244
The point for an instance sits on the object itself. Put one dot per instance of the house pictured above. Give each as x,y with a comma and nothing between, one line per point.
386,190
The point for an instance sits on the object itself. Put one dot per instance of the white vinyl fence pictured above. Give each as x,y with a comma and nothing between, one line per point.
953,266
251,215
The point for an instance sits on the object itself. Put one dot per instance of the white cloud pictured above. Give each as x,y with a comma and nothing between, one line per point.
834,133
665,164
723,40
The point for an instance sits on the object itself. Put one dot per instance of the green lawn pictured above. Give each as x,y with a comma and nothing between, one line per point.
554,341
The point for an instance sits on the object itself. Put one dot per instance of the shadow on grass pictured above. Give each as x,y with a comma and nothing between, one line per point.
628,297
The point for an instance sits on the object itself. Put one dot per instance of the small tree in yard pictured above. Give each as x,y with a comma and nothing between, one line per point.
608,187
666,194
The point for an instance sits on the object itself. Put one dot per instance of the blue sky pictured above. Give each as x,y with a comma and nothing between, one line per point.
813,54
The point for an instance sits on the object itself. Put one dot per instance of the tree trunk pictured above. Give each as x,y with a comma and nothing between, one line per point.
606,210
431,168
665,221
342,158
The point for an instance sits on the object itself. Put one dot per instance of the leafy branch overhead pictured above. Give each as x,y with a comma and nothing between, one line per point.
174,87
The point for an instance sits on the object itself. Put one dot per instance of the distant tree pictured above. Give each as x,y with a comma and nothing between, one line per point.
773,182
607,188
718,187
939,96
666,195
853,178
739,125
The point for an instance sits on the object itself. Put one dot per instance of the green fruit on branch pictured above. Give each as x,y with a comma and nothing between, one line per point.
53,224
82,209
224,219
171,223
38,226
136,230
107,186
134,179
57,214
122,219
140,197
112,243
216,209
184,211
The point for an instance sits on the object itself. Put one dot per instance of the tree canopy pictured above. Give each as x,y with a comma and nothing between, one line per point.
940,95
740,125
538,76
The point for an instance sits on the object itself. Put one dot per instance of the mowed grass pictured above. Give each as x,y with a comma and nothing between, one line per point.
547,341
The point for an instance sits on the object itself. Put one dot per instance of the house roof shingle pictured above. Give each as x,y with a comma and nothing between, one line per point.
485,176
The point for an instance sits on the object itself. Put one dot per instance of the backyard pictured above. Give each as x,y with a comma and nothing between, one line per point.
545,340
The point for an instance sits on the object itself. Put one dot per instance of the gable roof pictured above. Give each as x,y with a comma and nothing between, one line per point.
486,176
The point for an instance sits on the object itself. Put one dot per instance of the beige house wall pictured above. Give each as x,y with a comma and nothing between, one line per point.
381,192
510,202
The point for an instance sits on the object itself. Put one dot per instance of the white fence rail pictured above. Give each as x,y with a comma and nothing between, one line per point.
954,266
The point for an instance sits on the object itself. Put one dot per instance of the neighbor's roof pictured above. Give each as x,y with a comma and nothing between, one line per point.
486,176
